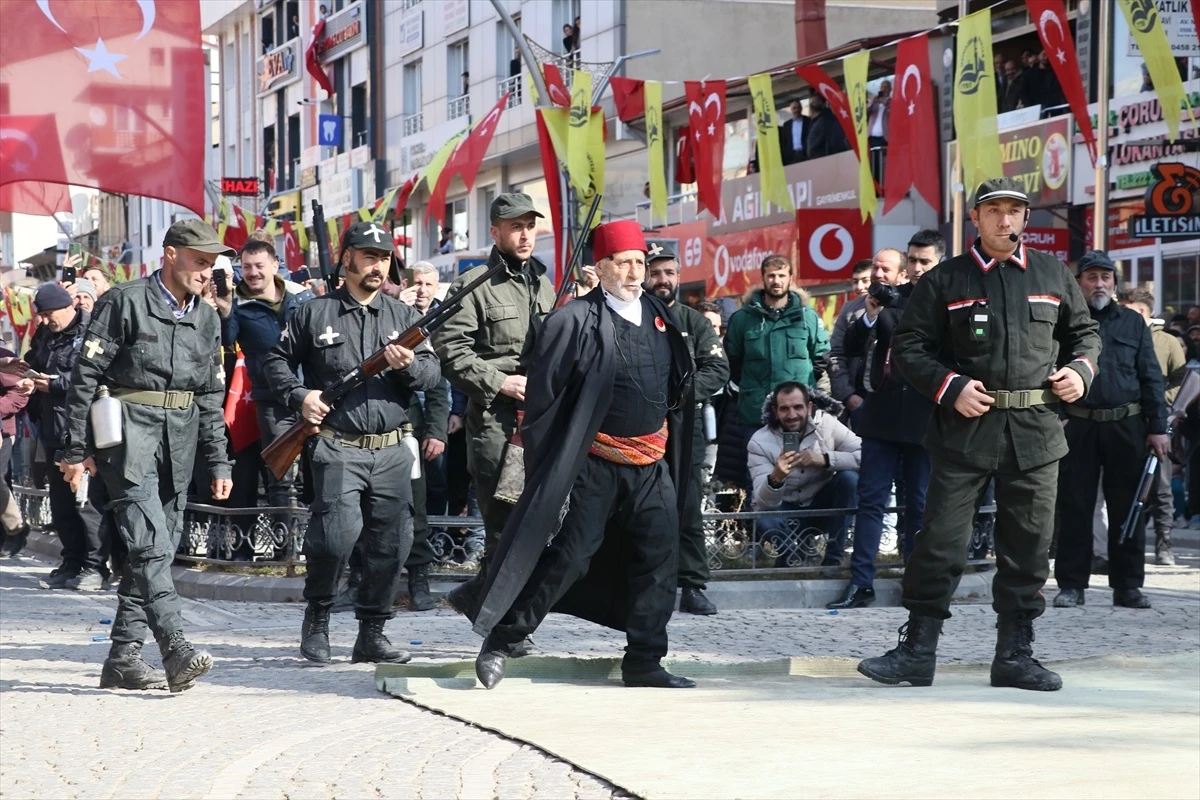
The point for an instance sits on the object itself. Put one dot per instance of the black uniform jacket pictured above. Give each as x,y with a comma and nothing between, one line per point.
330,336
566,399
1129,368
1009,325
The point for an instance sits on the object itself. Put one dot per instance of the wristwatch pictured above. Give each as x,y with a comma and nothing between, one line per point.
771,482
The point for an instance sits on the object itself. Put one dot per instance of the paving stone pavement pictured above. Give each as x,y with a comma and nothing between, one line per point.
267,724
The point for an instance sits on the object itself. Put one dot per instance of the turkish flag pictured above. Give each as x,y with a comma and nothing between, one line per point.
830,241
34,197
235,228
404,194
29,148
292,255
706,120
629,96
1051,19
124,86
469,155
553,191
820,81
913,135
241,417
685,161
560,95
312,59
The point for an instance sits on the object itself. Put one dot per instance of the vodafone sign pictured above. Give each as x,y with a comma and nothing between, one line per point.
829,242
735,260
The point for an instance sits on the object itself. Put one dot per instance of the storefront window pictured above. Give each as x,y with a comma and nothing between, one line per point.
1181,281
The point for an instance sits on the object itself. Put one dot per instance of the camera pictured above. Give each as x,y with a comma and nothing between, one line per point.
884,293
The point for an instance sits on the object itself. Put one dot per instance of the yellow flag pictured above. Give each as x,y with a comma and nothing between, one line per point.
772,181
856,90
385,205
558,126
579,135
654,145
335,237
222,216
1146,26
248,216
434,168
975,101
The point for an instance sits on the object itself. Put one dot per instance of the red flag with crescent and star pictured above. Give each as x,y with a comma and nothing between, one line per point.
123,83
1050,17
464,161
560,95
913,135
820,81
241,417
312,59
706,121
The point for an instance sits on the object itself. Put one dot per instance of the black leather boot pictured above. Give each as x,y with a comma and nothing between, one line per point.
182,662
314,634
126,669
1069,598
854,597
693,601
464,598
914,659
419,598
373,647
1130,598
1014,664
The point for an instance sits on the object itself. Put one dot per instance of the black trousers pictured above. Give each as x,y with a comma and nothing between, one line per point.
1119,449
78,528
636,505
358,493
1024,527
693,553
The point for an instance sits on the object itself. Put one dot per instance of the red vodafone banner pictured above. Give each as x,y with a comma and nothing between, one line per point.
733,261
830,241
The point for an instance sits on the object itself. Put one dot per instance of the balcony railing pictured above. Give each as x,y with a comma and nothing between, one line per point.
512,87
458,107
413,123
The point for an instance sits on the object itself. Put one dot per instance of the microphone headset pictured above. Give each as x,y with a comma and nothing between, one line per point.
1016,237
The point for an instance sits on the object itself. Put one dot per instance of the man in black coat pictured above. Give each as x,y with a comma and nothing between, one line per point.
893,420
607,433
792,135
825,134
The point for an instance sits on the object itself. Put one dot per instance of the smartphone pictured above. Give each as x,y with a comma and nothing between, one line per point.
68,274
221,281
791,441
33,375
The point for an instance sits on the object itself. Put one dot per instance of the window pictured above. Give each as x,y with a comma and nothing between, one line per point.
563,13
268,32
412,98
457,79
293,19
269,157
508,65
293,151
358,114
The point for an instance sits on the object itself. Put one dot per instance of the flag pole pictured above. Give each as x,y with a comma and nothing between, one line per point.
956,185
1103,67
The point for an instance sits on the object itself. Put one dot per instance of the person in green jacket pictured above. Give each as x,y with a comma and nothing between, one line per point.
772,339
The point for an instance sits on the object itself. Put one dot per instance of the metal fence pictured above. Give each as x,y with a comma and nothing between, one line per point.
737,542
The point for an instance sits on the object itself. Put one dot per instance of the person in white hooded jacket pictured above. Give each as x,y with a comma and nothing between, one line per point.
822,472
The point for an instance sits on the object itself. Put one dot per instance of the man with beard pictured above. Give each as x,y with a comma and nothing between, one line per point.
1123,416
710,371
996,337
607,433
480,348
361,468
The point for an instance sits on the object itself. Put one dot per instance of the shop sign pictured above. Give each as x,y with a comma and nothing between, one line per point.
1137,140
687,240
279,67
829,182
734,260
830,242
456,16
1175,17
412,32
1171,210
1118,226
240,187
1054,241
1037,157
344,31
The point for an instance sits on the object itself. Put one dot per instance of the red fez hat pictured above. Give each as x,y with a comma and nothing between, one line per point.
613,237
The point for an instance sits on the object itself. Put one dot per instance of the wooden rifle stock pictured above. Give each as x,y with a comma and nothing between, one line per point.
283,452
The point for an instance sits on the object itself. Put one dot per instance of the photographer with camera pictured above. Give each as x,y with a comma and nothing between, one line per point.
893,420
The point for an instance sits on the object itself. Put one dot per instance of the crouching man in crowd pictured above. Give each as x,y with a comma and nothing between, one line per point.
803,458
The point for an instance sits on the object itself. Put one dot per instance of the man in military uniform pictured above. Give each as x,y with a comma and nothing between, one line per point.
1123,416
996,338
361,469
710,372
480,349
156,344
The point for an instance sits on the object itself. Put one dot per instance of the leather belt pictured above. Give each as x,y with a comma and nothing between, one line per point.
1105,414
366,441
177,401
1022,398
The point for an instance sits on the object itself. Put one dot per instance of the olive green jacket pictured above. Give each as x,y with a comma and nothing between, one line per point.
483,340
135,342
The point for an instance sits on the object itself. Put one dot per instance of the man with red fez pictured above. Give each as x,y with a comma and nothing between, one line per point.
607,433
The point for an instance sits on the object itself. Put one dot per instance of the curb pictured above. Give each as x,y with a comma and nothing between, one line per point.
726,595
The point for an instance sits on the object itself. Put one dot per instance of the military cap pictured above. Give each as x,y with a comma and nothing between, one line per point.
368,236
511,205
659,251
1096,259
1000,189
197,235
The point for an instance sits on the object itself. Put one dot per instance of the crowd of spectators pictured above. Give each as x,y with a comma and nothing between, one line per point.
812,420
